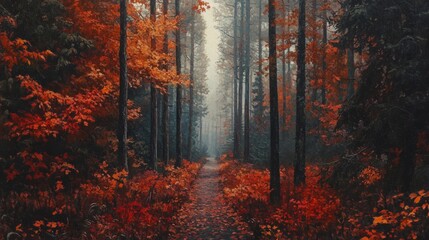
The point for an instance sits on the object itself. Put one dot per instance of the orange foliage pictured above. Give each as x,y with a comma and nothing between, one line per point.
201,6
52,113
147,203
332,78
395,217
316,212
98,21
110,204
370,175
64,111
300,212
82,104
247,188
16,51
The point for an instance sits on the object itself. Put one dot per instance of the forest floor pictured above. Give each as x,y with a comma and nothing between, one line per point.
207,215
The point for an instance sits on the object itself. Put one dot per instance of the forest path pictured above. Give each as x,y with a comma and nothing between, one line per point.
206,215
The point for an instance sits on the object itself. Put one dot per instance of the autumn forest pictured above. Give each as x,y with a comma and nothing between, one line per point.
214,119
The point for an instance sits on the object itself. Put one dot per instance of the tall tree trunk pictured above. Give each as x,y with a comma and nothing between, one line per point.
314,39
274,110
178,94
159,119
260,41
185,53
165,117
299,174
236,147
247,88
123,88
153,101
258,87
191,86
185,70
241,79
284,79
289,73
324,46
350,72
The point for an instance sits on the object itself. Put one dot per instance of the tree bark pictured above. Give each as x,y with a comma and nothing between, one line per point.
240,81
153,102
123,88
236,149
284,79
274,114
165,116
260,40
191,86
350,72
179,94
247,88
314,39
299,173
324,46
289,72
258,108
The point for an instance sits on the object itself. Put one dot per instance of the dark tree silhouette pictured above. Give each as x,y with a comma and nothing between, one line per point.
178,94
165,115
153,103
274,103
299,173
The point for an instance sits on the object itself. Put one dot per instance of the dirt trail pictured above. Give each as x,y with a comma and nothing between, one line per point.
206,215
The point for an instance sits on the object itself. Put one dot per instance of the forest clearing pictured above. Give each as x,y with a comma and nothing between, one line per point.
214,119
